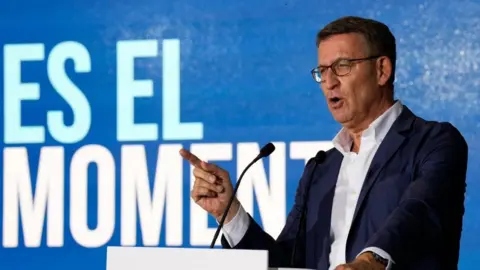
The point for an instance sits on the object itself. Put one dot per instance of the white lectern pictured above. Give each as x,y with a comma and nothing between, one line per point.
157,258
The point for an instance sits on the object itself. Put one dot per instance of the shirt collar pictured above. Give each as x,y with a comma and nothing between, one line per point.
377,130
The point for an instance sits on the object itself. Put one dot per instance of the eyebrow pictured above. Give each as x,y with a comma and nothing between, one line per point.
335,60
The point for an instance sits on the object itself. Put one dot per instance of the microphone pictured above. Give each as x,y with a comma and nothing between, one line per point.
318,159
264,152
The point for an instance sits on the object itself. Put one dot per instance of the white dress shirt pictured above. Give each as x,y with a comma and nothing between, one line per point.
349,184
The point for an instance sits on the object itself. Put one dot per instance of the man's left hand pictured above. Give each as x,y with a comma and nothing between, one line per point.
363,262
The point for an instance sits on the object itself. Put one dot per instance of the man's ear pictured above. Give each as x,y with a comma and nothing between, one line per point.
384,70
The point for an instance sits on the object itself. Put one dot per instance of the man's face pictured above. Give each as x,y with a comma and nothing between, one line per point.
349,97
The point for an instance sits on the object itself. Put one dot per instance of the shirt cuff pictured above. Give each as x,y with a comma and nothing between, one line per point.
234,230
382,253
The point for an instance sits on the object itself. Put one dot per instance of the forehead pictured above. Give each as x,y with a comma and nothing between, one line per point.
350,45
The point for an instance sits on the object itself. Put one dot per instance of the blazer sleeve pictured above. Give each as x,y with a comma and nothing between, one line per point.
279,249
432,207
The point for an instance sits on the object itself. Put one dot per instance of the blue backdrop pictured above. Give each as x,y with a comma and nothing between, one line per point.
98,96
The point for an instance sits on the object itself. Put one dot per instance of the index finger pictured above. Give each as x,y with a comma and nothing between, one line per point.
210,167
194,160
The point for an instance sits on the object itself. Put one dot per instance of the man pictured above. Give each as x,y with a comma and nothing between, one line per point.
389,195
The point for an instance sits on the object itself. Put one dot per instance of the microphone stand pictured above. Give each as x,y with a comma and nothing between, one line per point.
318,159
264,152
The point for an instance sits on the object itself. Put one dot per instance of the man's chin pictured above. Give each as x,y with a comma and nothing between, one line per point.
342,119
339,117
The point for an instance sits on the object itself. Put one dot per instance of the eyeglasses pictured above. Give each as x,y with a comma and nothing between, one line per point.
341,67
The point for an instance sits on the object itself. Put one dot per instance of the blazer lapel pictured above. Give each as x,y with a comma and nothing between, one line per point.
320,208
322,190
326,177
389,146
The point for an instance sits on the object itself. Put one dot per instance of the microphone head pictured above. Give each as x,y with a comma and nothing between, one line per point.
320,157
267,150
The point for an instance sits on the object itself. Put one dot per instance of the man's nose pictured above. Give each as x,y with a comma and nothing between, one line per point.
330,80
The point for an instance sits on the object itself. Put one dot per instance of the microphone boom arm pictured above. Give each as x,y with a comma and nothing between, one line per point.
264,152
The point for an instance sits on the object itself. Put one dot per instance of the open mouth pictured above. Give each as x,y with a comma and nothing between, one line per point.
334,100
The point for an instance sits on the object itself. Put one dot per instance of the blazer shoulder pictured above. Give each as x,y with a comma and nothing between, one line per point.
437,133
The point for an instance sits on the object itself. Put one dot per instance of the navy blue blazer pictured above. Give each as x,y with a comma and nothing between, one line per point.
411,204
